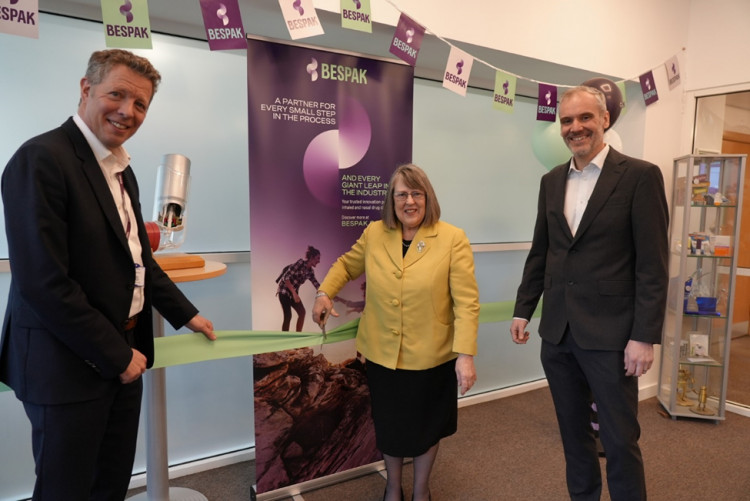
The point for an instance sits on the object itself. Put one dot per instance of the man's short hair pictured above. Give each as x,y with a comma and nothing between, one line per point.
599,95
103,61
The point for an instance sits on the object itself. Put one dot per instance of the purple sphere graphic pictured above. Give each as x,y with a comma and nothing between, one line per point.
334,150
612,94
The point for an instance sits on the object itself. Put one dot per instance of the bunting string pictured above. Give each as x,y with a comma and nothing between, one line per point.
528,79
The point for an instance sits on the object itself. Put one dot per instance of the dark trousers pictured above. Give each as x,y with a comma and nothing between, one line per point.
287,303
85,450
576,376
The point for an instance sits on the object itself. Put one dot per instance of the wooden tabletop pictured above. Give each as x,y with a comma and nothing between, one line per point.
210,270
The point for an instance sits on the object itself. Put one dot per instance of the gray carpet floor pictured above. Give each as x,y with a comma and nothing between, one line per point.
510,449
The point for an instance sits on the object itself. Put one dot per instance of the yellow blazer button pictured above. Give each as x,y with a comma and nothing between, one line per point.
398,274
394,302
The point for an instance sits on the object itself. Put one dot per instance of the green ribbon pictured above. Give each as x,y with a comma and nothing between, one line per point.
194,347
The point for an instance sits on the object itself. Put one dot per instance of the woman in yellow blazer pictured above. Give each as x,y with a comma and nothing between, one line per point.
418,330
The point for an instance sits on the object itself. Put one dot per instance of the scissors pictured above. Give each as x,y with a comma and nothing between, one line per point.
323,328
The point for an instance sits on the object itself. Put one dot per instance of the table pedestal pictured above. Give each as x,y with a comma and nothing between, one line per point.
157,462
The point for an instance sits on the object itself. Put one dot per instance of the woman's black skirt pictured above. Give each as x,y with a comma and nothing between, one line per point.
412,410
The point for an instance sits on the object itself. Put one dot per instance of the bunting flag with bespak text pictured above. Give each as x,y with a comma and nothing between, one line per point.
457,71
20,18
407,39
648,88
505,92
673,72
126,24
223,22
301,19
356,15
546,109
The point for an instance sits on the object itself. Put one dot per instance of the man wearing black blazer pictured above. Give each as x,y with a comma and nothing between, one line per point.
599,255
77,333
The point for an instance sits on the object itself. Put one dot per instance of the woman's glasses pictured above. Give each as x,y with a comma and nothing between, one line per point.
403,196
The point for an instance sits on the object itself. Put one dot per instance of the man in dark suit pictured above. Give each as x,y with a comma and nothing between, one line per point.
77,334
599,255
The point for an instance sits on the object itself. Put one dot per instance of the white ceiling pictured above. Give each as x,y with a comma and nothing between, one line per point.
263,18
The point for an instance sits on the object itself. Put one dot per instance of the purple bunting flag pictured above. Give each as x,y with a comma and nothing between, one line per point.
223,23
407,39
648,87
546,109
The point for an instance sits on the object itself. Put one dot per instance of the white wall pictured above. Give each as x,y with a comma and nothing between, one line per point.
718,41
604,36
718,44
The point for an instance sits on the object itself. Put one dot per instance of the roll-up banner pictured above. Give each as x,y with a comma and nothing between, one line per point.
326,130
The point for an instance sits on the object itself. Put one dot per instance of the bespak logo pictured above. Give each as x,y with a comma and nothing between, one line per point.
298,5
649,93
454,78
303,22
125,11
17,15
503,98
221,13
354,15
224,33
410,35
312,69
117,30
336,72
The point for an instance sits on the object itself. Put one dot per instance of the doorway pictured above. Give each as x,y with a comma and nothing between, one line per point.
722,125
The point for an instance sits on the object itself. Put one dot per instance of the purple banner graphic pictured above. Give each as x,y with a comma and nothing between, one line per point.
326,130
223,23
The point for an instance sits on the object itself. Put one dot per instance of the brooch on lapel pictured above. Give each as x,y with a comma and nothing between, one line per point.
420,246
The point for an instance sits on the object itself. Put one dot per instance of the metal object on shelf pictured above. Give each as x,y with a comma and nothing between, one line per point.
702,408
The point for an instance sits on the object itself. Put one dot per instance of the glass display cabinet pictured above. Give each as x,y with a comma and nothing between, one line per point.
703,237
